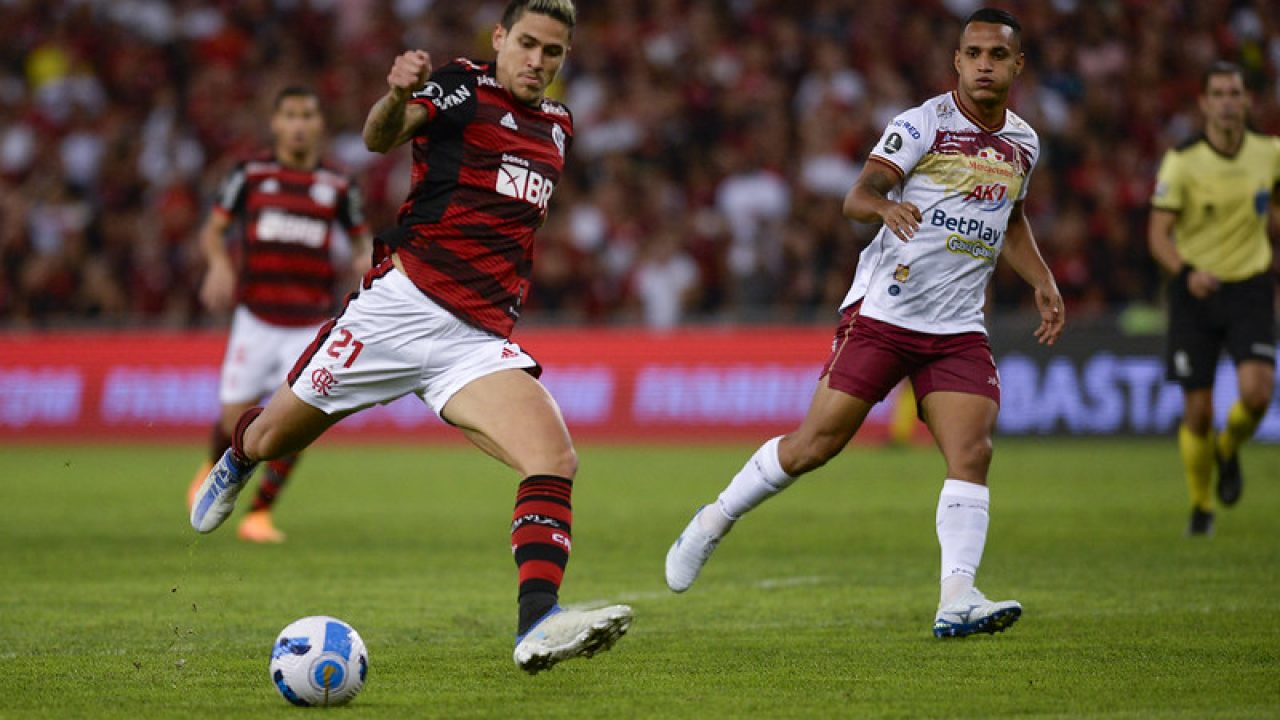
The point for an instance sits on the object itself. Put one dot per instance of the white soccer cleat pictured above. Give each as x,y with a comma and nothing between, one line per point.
216,497
564,634
974,613
689,553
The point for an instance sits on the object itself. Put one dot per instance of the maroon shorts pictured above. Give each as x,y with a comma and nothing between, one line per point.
869,357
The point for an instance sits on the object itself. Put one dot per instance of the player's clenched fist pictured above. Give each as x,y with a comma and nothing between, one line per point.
408,73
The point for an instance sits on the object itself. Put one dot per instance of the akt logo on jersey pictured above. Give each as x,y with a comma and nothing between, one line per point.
517,180
989,197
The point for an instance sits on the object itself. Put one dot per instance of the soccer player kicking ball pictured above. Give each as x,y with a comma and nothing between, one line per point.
947,179
434,317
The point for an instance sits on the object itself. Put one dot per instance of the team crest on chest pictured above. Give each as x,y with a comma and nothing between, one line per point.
557,136
324,194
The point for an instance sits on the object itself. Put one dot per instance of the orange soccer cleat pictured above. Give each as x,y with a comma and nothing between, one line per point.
257,527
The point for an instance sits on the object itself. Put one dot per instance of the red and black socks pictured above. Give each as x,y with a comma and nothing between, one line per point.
540,541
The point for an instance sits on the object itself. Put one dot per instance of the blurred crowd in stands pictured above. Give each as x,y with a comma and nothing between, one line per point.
715,140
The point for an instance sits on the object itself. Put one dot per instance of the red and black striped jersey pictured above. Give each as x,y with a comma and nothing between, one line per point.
285,217
484,168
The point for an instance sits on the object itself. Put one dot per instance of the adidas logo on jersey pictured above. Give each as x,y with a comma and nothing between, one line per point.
509,122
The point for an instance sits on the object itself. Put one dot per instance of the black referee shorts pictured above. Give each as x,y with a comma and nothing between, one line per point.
1240,316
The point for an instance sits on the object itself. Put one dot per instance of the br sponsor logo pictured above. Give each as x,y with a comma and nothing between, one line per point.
517,180
989,197
283,227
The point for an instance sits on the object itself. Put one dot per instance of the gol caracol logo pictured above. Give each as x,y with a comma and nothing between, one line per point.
975,249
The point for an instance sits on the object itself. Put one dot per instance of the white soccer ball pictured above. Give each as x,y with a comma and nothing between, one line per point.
319,660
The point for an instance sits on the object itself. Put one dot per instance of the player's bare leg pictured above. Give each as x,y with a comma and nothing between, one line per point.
513,418
962,424
831,421
1257,382
285,426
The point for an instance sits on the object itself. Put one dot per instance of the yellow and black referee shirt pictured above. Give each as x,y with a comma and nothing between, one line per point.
1222,203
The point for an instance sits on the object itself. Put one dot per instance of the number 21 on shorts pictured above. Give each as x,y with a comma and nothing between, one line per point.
341,343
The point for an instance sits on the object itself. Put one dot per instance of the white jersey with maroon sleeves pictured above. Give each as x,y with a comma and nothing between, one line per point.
965,179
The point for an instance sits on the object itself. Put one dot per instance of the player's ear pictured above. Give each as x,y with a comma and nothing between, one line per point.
499,35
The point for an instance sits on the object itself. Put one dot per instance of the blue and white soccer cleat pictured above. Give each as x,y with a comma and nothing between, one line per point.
974,613
216,497
563,634
689,553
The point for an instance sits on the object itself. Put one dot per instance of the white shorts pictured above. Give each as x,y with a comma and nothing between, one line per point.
392,340
259,357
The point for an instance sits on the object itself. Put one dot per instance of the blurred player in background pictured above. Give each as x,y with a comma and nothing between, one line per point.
1208,229
947,179
283,204
434,318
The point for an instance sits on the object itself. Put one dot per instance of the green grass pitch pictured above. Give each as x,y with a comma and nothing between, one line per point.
818,605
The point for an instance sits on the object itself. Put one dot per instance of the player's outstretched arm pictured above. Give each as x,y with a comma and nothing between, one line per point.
392,120
868,201
1023,255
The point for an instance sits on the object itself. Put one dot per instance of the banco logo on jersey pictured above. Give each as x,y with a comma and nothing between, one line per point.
517,180
283,227
989,197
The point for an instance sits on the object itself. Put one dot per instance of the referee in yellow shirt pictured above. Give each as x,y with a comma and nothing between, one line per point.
1208,230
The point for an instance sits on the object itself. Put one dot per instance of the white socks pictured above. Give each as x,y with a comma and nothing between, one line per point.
962,533
760,479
